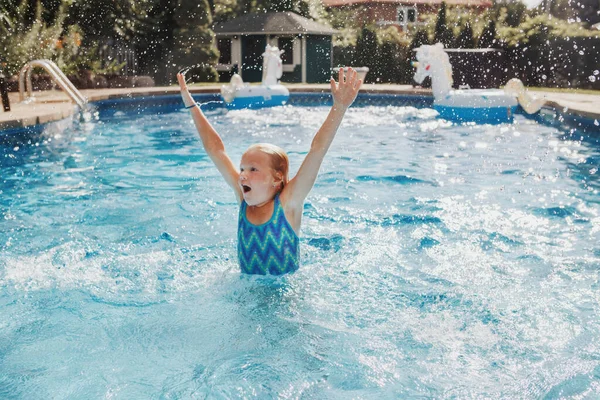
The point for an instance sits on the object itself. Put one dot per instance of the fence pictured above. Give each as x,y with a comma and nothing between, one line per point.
565,63
119,53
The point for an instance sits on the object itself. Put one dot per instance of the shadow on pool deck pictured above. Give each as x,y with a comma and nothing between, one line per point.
54,105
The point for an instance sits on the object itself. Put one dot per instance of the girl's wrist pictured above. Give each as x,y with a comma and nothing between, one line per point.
338,107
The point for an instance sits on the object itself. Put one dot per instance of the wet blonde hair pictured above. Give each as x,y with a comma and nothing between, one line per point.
279,159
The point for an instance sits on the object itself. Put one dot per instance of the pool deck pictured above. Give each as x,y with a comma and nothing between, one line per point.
54,105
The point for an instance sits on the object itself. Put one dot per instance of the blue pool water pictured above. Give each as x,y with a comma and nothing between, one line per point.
438,261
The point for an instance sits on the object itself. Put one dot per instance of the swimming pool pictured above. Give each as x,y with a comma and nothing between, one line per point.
438,261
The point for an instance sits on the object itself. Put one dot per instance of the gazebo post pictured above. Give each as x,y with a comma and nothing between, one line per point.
303,47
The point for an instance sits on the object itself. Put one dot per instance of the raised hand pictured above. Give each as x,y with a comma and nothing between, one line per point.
345,90
185,94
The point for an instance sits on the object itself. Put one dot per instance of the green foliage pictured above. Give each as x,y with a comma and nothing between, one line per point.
385,51
543,28
224,10
488,36
537,45
419,39
561,9
297,6
584,11
193,39
366,48
443,34
465,39
345,22
304,8
72,57
27,40
510,13
393,57
589,12
115,19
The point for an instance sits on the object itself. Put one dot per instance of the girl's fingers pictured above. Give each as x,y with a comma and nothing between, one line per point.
333,86
181,80
354,75
341,75
351,76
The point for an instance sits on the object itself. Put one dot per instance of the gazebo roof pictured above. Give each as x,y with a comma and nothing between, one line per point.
272,23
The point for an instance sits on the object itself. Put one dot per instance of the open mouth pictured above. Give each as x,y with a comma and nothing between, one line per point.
246,188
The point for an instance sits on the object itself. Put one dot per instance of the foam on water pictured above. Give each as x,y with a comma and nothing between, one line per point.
439,261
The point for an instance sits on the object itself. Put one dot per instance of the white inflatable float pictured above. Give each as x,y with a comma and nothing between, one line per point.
469,105
268,94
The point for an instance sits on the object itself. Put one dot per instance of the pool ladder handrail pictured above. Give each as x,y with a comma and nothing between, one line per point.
57,75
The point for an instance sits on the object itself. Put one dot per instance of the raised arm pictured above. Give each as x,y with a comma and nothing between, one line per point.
213,145
344,92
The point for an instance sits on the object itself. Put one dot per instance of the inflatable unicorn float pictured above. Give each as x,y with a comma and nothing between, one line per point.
268,94
469,105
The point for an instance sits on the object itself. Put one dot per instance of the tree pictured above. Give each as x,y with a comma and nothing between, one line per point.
116,19
298,6
155,49
179,37
223,10
394,55
25,37
515,13
193,40
488,36
589,11
301,7
419,39
465,39
366,50
443,34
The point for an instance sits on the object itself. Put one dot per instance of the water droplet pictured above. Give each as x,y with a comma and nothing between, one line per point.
596,122
592,78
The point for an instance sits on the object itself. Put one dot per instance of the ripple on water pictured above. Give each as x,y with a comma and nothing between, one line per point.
557,212
401,179
472,277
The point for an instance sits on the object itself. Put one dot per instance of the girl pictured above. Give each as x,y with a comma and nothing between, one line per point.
271,205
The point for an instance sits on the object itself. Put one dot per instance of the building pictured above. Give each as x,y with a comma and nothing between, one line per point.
307,45
403,14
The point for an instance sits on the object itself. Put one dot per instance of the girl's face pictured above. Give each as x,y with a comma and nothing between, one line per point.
258,181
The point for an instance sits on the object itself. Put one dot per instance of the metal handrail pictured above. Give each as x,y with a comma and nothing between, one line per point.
57,75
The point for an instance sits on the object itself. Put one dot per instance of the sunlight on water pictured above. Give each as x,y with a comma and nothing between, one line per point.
438,260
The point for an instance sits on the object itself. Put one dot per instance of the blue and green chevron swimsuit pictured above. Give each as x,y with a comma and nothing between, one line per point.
269,248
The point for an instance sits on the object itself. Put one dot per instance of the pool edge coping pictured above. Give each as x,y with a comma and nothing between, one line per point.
61,109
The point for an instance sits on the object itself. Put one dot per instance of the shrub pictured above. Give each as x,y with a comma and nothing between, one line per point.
193,39
419,39
443,34
394,56
488,36
29,37
545,51
465,39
